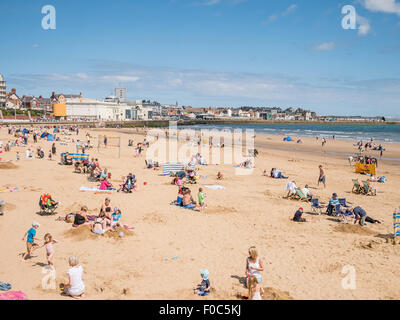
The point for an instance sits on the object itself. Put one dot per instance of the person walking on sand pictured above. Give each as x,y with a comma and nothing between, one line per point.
322,177
48,244
30,240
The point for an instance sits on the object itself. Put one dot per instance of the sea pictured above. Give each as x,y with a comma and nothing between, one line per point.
383,133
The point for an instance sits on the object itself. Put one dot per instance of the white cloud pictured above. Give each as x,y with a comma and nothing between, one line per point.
364,26
326,46
386,6
211,2
274,17
81,75
121,78
289,10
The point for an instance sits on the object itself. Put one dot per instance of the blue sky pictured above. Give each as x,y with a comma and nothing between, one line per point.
209,52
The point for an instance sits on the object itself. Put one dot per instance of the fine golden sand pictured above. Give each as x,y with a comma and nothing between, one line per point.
302,261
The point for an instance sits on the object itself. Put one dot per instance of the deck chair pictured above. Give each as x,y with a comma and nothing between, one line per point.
357,188
315,206
300,196
368,190
343,202
46,209
336,212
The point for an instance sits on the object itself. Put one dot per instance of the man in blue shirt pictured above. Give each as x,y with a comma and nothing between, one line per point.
361,216
334,203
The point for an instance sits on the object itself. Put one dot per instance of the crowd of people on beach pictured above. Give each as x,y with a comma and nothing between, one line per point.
109,218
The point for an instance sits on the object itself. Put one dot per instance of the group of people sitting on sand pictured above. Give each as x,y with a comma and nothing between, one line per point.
339,208
109,219
186,201
128,184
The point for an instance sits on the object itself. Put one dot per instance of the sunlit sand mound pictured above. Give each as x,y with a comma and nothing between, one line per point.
275,294
8,166
154,218
354,229
220,210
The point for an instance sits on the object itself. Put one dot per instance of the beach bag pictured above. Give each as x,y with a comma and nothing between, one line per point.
382,179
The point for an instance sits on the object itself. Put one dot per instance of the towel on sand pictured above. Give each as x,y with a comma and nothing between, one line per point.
13,295
215,187
93,189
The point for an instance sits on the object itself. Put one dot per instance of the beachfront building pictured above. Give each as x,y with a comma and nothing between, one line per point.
13,101
76,108
2,92
39,104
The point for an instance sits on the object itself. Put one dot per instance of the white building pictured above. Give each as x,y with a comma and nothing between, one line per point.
2,92
120,93
90,109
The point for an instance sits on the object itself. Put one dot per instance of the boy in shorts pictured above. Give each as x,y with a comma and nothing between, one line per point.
30,240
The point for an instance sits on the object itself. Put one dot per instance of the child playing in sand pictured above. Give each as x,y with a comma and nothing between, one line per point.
50,154
220,176
48,243
116,218
203,289
255,289
201,196
75,287
30,240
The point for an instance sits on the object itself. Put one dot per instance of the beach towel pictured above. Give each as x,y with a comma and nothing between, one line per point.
215,187
13,295
5,286
9,190
94,189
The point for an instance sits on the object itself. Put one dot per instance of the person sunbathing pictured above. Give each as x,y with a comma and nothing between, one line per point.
100,224
81,217
277,174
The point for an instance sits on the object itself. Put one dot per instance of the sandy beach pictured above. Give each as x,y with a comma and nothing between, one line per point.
301,261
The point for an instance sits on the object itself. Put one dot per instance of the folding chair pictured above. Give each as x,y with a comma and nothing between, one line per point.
45,209
357,188
368,190
343,202
300,196
315,206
